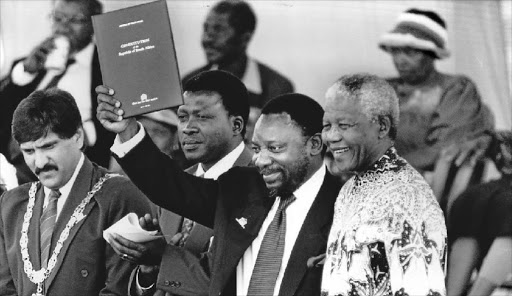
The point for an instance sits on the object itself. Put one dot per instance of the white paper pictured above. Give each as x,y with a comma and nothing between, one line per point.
129,228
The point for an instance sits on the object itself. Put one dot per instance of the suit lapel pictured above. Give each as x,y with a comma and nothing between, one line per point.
83,183
245,159
312,238
242,228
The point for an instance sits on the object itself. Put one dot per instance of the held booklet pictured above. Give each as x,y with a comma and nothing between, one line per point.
138,58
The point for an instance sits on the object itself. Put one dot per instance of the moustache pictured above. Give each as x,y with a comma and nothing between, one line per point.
269,170
46,168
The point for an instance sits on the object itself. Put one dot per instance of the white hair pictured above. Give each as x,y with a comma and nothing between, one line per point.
376,96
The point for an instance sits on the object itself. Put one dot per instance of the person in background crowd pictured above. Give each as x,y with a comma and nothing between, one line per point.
78,73
481,229
438,111
7,174
227,31
51,231
388,235
246,207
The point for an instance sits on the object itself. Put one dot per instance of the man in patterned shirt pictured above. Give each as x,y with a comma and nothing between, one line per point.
388,235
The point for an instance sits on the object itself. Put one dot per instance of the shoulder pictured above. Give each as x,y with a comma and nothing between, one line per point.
243,178
240,173
11,199
453,81
270,74
117,188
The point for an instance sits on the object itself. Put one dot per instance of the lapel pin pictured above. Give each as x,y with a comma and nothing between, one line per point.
242,221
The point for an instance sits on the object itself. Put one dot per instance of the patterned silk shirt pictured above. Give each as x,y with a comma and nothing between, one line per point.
388,235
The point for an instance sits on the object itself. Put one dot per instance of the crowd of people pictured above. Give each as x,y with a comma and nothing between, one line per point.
253,189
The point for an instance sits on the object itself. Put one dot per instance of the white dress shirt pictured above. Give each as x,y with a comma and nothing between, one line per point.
221,166
76,81
64,190
296,213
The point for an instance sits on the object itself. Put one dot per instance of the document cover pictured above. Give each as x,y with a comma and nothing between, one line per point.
138,58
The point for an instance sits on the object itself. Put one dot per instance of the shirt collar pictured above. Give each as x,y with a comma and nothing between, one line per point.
84,57
64,190
251,78
223,165
311,187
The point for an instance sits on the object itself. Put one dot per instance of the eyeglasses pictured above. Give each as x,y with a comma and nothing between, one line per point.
62,18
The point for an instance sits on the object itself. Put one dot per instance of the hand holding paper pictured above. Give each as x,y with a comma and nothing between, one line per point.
132,242
129,228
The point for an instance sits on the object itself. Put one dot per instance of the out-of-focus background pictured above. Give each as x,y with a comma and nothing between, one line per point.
315,42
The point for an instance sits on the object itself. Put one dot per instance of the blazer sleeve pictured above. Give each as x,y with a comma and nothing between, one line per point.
165,183
7,287
183,273
123,198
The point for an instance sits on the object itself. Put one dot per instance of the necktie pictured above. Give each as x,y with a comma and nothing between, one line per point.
57,78
187,226
268,263
46,225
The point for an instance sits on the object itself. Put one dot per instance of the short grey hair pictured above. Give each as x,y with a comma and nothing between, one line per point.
376,96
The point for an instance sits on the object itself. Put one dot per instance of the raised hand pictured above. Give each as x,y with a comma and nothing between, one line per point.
110,114
34,62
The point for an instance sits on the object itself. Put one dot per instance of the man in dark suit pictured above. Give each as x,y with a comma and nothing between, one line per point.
211,126
227,31
245,206
71,21
51,231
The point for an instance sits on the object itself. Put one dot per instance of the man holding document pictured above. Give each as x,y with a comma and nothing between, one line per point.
246,207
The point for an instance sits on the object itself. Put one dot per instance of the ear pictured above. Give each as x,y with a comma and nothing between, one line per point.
316,144
245,38
384,126
237,123
80,138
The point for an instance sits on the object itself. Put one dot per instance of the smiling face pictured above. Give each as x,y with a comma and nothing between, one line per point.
280,153
350,136
205,128
221,42
52,159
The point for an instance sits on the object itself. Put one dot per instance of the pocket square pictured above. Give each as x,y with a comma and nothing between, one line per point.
242,221
316,261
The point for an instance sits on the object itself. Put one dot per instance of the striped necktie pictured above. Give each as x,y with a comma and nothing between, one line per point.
270,256
46,225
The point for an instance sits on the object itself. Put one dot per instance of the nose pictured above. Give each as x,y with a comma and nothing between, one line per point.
262,159
189,127
399,58
40,159
332,135
61,28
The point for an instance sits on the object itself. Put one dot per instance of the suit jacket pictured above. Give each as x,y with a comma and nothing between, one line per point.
199,237
12,94
272,84
86,265
240,192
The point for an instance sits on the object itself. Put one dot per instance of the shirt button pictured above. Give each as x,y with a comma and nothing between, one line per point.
84,273
167,283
